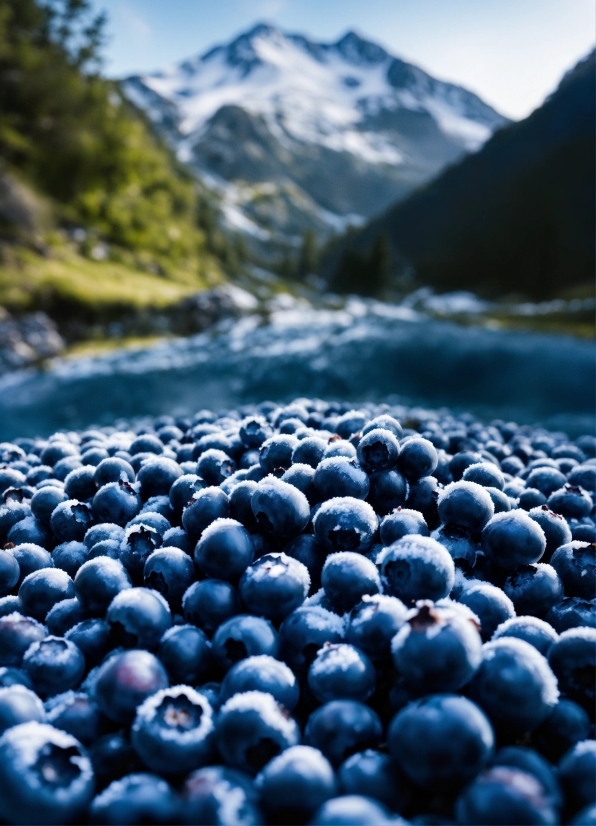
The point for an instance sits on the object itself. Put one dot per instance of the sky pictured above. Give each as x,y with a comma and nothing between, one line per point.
512,53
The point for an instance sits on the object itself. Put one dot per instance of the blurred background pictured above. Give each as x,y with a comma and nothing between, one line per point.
205,204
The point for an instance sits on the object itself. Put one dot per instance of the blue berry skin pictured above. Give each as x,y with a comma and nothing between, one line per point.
505,795
274,585
571,502
373,623
45,776
205,507
418,457
146,443
80,483
341,728
280,508
340,447
151,519
341,672
157,476
514,685
251,729
69,556
501,502
111,470
441,742
402,522
63,616
584,476
9,605
307,550
302,477
346,578
423,496
178,538
484,473
183,489
575,563
351,810
244,636
309,451
345,524
566,725
262,673
139,542
531,498
70,520
529,761
340,476
240,503
378,450
384,422
530,629
489,603
216,794
276,452
29,530
138,618
98,581
534,589
305,631
116,502
19,704
136,799
577,771
14,676
546,479
572,612
113,757
387,491
44,501
173,731
466,504
77,714
186,654
573,660
295,783
101,532
9,573
30,557
513,539
12,512
436,649
42,589
53,665
416,567
210,603
170,572
459,543
92,636
215,466
253,431
225,550
372,774
125,680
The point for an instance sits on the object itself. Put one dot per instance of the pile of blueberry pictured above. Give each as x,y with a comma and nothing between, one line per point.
298,614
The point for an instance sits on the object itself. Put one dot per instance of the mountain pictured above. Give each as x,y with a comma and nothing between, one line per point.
297,134
517,217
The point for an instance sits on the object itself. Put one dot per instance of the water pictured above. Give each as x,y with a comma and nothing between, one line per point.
364,352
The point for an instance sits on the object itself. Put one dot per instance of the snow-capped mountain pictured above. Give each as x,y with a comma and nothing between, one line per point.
295,133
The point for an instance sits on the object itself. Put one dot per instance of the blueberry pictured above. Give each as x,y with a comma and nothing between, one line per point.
459,544
341,728
309,451
573,659
577,771
98,581
378,450
346,578
44,501
345,524
302,477
173,731
566,725
10,513
204,507
18,704
262,673
383,422
216,794
139,542
80,483
138,618
42,589
178,538
30,558
183,489
240,503
534,589
251,729
546,479
584,476
466,504
513,539
116,502
436,649
146,443
418,458
29,530
136,799
373,623
295,783
484,473
185,653
505,795
45,776
572,612
307,550
571,502
529,761
280,508
225,549
125,680
501,502
105,531
441,742
402,522
305,631
489,603
210,603
274,585
70,520
9,572
514,685
151,519
253,431
387,491
157,476
169,571
423,495
92,636
54,665
14,676
113,757
63,616
531,629
555,528
244,636
276,452
416,567
69,556
575,562
111,470
17,633
374,775
341,672
77,714
340,447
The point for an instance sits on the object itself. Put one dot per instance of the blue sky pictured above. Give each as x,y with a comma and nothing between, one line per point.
511,52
